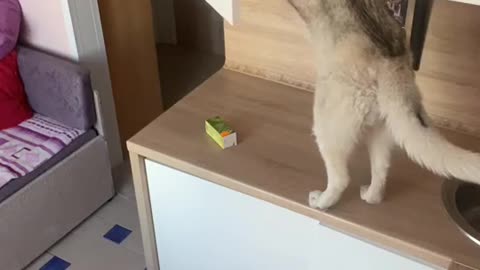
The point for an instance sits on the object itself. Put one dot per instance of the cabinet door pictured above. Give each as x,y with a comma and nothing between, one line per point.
335,250
200,225
203,226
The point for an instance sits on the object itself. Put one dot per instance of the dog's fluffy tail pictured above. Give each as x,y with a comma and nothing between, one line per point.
411,130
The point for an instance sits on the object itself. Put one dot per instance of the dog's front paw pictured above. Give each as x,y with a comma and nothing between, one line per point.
321,200
314,197
370,195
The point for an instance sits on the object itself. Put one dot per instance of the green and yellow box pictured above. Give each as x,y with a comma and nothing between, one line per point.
220,132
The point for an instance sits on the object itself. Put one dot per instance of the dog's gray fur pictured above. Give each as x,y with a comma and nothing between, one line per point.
382,29
370,16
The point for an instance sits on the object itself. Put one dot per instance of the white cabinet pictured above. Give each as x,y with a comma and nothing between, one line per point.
203,226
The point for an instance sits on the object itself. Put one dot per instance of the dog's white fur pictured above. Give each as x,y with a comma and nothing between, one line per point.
363,96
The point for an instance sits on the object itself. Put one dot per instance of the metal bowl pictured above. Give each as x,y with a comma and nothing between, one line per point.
462,202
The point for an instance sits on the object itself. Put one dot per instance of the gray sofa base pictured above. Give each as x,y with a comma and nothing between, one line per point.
40,214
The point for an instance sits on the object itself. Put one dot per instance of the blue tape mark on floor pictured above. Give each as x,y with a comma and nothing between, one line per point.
117,234
56,263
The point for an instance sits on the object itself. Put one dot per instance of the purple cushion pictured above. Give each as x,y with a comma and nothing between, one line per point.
57,88
10,19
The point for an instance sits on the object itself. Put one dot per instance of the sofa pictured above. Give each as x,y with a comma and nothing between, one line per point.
37,211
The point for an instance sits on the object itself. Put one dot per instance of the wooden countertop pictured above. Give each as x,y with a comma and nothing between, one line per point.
277,161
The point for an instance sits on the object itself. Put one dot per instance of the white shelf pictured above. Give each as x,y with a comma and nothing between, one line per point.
472,2
229,9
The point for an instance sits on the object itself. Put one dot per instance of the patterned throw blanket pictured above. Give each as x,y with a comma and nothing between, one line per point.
26,146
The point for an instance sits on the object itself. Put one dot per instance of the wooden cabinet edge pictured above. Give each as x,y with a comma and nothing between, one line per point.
457,266
144,210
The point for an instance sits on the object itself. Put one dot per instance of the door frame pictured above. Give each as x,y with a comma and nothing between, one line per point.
88,39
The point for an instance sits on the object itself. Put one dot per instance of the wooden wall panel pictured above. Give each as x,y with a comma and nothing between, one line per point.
199,27
164,21
132,57
271,41
449,75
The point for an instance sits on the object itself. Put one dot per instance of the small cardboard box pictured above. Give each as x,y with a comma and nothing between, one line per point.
220,132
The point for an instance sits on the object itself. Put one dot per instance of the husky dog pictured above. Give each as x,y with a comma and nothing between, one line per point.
366,92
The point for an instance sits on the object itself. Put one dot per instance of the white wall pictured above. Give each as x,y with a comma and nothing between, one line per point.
47,25
72,29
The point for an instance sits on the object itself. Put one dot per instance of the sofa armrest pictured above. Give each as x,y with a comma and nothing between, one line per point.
57,88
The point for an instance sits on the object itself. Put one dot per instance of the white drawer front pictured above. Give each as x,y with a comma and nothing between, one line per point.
203,226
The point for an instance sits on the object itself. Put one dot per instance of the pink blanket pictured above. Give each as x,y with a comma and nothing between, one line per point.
26,146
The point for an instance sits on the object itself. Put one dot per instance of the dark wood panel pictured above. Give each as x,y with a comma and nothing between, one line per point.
132,57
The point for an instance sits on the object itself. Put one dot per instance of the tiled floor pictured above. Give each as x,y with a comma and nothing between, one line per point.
86,248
